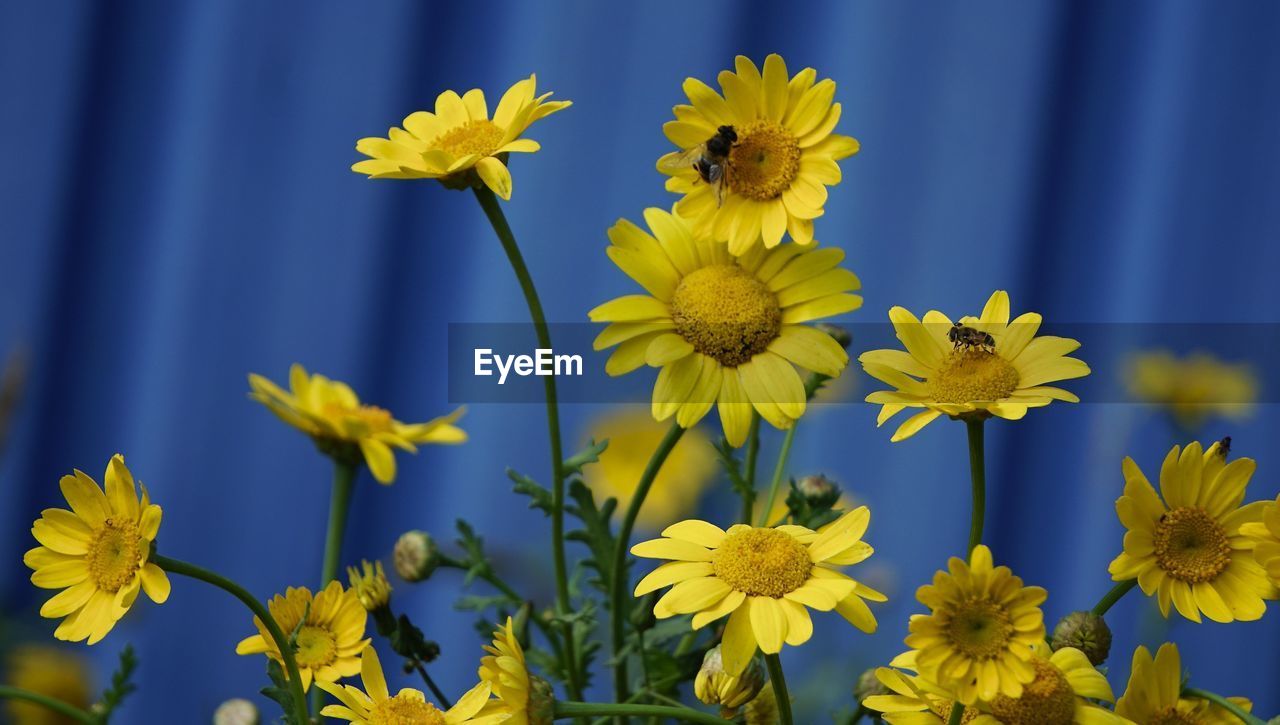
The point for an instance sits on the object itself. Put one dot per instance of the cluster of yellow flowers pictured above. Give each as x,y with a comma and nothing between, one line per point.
727,318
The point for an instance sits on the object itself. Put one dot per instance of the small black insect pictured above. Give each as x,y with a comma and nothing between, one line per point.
1224,446
710,159
970,338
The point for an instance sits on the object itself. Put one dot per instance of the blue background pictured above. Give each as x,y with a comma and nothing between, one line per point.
176,210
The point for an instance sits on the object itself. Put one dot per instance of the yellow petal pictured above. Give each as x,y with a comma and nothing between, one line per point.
495,175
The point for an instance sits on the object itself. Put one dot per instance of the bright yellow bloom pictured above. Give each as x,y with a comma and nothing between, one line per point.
970,380
1265,535
330,639
370,584
633,435
763,710
1188,549
723,330
374,705
49,671
1154,693
1193,387
777,173
96,553
763,578
330,412
507,675
460,137
977,639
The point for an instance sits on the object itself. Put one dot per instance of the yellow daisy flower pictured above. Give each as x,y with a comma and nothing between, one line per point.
1188,549
330,412
96,553
911,700
49,671
1265,535
1192,387
460,138
991,367
370,584
505,672
374,705
762,578
977,639
633,435
330,639
723,330
1154,693
780,164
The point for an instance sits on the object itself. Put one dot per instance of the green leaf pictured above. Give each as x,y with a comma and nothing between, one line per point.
591,454
595,532
278,691
733,468
121,684
539,497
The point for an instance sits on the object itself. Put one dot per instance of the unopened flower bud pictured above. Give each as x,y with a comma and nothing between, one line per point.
371,585
416,556
819,491
868,686
542,701
1086,632
714,686
236,712
837,333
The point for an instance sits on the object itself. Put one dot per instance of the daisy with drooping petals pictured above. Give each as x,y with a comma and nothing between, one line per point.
459,138
505,672
330,412
330,630
1154,693
977,639
1265,535
911,700
1002,375
778,169
762,578
375,705
725,331
97,553
1188,549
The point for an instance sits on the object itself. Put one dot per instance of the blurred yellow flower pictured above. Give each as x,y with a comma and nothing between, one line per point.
633,435
978,367
1193,387
375,705
49,671
370,585
1154,693
782,158
1188,549
1265,535
330,412
723,330
330,629
460,137
97,553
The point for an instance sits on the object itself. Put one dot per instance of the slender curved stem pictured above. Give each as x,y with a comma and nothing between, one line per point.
58,706
498,220
978,476
683,714
1223,703
778,470
957,714
431,684
753,455
175,566
1109,599
618,585
774,663
344,479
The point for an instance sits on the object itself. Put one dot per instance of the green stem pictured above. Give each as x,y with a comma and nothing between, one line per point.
978,475
1111,597
683,714
1223,703
779,688
498,220
58,706
778,470
175,566
957,714
344,480
753,455
431,684
618,585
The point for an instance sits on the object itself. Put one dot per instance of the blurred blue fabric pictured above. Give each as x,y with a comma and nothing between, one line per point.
177,211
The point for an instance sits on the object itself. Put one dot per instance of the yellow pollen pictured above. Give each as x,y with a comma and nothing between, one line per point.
377,420
762,562
1046,700
943,710
1171,716
726,313
316,647
764,162
114,554
473,137
1191,546
979,628
404,709
971,375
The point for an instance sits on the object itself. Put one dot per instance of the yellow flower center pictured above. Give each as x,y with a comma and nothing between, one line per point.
1171,716
473,137
979,628
764,162
371,417
1191,545
972,375
316,647
404,709
114,554
1046,700
762,562
726,313
943,710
